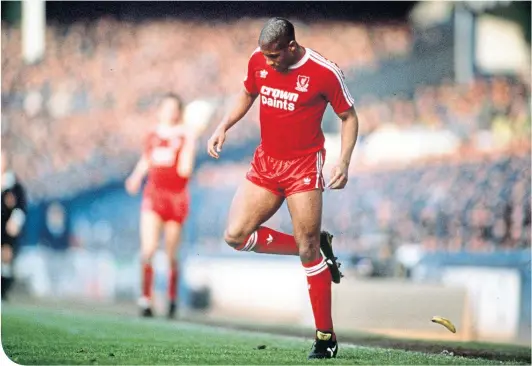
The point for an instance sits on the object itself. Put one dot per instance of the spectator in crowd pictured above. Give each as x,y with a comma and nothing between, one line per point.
13,218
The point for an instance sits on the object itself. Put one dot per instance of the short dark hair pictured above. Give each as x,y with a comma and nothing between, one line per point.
277,30
173,96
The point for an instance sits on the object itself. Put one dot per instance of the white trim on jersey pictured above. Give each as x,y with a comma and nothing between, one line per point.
255,51
314,56
301,62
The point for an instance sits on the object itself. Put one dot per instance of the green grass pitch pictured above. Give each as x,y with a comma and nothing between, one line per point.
32,335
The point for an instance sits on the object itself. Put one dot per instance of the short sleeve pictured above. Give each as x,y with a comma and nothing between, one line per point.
336,90
249,81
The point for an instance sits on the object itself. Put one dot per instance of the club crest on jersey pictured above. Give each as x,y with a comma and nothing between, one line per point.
302,83
262,74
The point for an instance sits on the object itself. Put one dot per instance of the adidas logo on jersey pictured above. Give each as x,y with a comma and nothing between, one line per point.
278,98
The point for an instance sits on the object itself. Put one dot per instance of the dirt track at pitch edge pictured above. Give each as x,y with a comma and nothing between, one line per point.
439,348
520,356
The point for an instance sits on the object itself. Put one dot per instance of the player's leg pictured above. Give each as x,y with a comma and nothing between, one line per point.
151,225
306,211
251,207
172,241
256,200
7,268
304,175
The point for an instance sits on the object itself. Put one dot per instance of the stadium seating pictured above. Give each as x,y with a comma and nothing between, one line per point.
75,121
480,205
91,96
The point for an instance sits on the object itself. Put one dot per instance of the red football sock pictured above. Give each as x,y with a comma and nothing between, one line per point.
173,276
147,279
266,240
319,288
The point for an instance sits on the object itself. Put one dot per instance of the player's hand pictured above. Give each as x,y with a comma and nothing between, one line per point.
13,228
338,176
132,185
215,143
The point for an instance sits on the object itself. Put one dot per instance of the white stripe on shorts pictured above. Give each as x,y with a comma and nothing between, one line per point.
319,167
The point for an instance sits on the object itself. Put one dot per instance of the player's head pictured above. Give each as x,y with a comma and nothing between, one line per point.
277,42
170,109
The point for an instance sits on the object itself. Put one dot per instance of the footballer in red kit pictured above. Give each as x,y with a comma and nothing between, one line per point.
167,161
293,85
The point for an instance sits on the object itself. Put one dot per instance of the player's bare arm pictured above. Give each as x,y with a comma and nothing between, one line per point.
243,104
134,180
349,135
187,157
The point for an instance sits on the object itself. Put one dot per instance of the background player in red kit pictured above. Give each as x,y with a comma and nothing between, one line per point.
293,85
168,160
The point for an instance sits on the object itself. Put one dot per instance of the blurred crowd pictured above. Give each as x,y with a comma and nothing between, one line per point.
90,99
480,203
76,119
457,205
497,107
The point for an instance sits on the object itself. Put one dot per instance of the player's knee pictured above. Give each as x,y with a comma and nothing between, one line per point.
309,247
147,256
7,254
308,254
172,262
233,237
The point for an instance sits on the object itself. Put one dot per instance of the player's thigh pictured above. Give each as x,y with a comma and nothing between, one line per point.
172,237
251,207
151,225
306,211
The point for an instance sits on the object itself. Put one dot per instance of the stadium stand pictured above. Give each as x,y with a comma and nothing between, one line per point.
479,204
74,123
86,102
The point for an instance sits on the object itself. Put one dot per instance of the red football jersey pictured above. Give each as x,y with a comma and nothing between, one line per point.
162,149
292,103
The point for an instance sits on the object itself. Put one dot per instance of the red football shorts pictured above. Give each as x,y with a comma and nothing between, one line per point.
286,177
169,205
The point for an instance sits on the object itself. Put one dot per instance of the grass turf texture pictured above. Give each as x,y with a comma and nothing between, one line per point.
32,335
